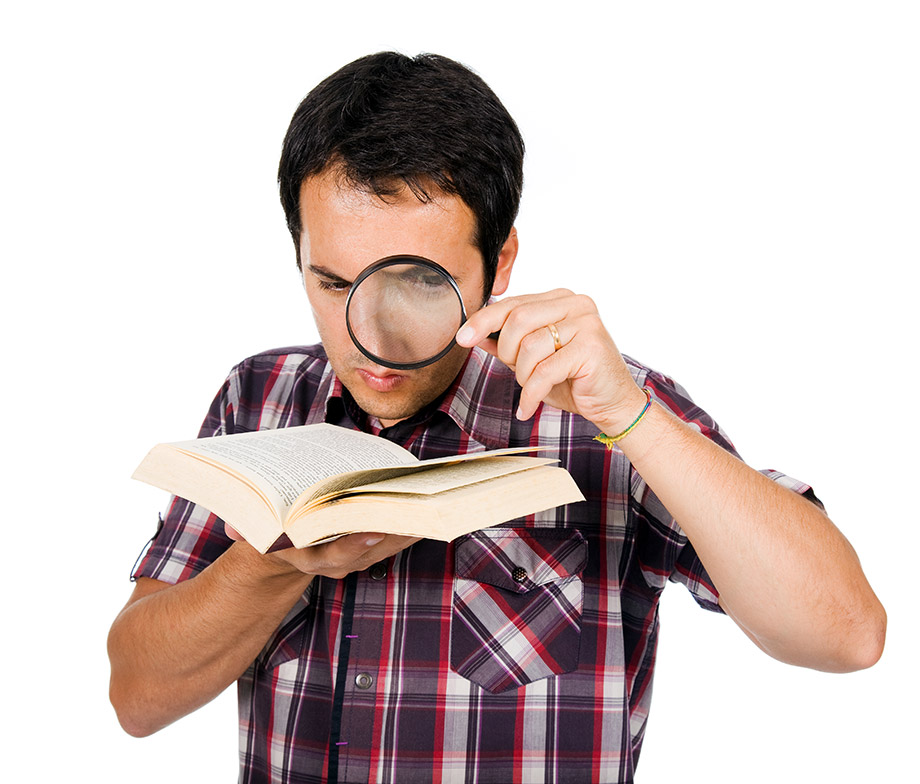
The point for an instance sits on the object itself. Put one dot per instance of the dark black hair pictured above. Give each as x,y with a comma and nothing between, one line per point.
391,121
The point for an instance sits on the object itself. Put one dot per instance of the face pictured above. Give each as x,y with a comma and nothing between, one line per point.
344,230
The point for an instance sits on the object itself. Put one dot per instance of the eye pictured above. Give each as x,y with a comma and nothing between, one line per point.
419,279
333,285
430,280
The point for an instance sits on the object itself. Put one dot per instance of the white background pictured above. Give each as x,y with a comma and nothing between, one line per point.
735,183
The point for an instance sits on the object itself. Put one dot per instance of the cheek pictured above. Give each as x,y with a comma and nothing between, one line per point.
324,303
472,304
472,291
329,317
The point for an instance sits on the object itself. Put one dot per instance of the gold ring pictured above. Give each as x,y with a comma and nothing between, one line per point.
555,333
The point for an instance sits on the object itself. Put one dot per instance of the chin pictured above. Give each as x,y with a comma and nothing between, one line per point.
414,390
389,409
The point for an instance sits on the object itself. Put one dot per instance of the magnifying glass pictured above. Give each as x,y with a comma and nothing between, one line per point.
402,312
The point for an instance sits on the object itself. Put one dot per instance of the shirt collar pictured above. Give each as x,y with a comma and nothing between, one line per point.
480,401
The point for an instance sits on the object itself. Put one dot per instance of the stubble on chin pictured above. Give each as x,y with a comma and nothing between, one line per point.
420,388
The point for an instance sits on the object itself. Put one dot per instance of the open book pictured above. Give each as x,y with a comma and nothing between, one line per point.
309,484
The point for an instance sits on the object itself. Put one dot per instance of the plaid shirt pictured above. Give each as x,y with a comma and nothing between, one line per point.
521,653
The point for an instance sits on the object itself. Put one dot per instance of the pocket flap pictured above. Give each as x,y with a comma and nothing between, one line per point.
521,559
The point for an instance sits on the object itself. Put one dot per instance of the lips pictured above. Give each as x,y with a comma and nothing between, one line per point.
382,382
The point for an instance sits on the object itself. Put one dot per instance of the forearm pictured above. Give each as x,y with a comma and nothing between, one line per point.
783,571
174,648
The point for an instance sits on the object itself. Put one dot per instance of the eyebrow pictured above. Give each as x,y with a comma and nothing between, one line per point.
328,274
316,269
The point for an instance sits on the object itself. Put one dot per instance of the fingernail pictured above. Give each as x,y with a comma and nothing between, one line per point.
465,334
372,540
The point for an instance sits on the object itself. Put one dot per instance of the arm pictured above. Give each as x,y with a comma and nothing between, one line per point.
174,648
783,571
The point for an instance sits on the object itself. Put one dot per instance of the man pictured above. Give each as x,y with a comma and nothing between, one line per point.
518,652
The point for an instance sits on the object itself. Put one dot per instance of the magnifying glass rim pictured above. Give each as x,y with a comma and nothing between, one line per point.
390,261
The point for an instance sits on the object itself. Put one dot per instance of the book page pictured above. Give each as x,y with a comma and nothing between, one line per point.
441,478
444,515
289,460
509,450
342,483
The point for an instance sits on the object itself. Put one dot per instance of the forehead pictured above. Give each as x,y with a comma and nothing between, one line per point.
346,228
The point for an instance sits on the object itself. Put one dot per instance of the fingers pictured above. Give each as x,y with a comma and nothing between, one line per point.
523,322
512,313
540,344
583,372
352,553
526,339
541,368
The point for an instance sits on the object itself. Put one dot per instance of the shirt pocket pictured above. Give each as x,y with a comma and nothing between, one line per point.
517,604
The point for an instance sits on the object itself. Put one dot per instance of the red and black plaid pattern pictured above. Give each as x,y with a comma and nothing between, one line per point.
521,653
517,605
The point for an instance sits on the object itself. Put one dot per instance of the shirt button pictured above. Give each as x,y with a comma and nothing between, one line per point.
364,680
519,574
378,571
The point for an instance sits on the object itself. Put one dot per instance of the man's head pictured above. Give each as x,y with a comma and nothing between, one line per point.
389,122
394,155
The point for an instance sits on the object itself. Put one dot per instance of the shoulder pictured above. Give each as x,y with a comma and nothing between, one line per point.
268,389
290,358
655,380
279,365
665,390
672,396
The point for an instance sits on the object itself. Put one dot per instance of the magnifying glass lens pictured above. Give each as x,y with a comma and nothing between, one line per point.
403,312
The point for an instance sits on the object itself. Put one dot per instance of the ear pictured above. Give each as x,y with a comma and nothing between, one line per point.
506,258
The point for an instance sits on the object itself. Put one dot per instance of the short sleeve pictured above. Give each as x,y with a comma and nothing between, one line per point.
190,537
663,550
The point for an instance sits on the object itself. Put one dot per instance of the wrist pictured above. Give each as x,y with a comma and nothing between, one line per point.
628,414
266,569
